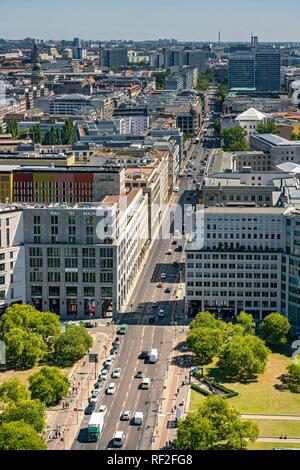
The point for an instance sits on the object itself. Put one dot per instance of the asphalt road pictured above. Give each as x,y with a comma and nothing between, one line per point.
143,335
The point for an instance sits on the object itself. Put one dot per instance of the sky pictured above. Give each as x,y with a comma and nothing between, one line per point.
190,20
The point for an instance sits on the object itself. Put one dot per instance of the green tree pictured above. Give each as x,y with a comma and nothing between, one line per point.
46,140
275,329
23,348
207,319
68,133
72,345
18,435
247,322
13,391
292,379
49,385
58,136
269,127
37,134
217,126
160,79
243,357
235,139
12,128
205,343
295,136
216,425
32,412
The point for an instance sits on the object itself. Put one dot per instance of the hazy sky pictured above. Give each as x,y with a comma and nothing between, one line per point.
199,20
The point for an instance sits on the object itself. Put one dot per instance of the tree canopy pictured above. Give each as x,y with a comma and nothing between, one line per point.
13,391
71,345
30,411
24,349
18,435
235,139
269,127
216,425
49,385
246,321
292,379
275,329
205,343
243,357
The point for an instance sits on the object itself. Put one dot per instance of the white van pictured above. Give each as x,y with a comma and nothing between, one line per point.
146,383
138,418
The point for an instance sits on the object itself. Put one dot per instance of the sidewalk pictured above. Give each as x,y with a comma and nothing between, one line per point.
174,395
64,421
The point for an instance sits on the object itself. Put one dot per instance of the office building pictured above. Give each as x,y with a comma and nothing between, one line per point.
114,57
241,73
267,70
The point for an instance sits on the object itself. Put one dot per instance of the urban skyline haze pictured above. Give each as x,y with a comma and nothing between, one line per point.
190,20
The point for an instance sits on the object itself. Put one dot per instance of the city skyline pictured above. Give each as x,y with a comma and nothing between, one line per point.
127,20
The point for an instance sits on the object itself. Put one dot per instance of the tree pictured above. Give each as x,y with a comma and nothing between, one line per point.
275,329
49,385
295,136
12,128
243,357
217,126
216,425
37,134
247,322
203,81
18,435
68,133
292,379
205,343
207,319
30,411
72,345
13,391
23,348
160,79
235,139
269,127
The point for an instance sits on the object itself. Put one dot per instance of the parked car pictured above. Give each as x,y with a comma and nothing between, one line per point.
104,374
90,408
109,360
154,304
151,319
103,409
163,276
167,290
89,324
161,313
159,285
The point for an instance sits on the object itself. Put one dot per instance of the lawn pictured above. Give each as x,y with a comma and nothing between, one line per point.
23,375
271,445
261,396
278,427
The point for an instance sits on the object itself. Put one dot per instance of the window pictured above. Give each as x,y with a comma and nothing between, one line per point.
53,277
71,277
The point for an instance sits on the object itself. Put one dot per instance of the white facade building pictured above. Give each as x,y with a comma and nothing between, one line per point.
250,120
12,258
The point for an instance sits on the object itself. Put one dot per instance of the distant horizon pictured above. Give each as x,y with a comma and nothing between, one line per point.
134,20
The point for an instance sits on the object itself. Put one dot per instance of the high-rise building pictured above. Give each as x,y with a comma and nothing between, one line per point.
241,73
267,70
114,57
196,59
80,53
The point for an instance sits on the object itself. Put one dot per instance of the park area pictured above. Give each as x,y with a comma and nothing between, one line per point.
262,397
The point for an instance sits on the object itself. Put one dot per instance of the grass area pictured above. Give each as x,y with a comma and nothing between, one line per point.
196,399
271,445
23,375
261,396
278,427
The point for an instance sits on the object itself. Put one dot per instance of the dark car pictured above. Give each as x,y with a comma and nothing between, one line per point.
167,290
144,354
90,409
89,324
115,349
179,248
174,242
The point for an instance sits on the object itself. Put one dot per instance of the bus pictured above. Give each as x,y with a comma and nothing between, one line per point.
123,329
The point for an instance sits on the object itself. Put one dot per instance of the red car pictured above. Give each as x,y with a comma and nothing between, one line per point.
159,284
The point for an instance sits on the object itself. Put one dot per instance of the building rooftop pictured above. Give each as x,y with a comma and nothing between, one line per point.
275,140
251,114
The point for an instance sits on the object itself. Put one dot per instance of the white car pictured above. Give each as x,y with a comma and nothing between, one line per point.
111,389
109,360
169,252
104,374
163,276
161,313
154,304
126,416
119,439
116,373
103,409
176,189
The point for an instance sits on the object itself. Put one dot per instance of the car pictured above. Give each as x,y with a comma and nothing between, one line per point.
179,248
89,324
176,233
109,360
169,252
111,389
116,349
176,189
139,374
104,374
154,304
90,408
159,285
126,415
174,242
167,290
175,264
97,385
116,373
93,399
163,276
103,409
115,343
119,439
151,319
112,352
144,355
161,313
